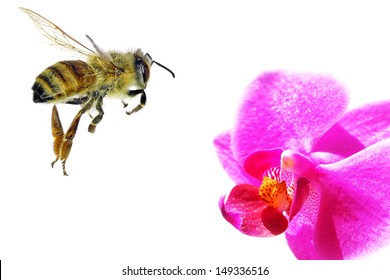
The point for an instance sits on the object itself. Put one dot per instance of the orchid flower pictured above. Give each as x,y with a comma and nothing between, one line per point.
305,166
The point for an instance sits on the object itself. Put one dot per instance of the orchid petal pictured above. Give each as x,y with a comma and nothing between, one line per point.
225,155
369,124
286,111
338,141
357,129
353,217
301,228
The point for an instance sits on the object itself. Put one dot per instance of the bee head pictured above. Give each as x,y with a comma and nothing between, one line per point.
142,66
143,62
151,61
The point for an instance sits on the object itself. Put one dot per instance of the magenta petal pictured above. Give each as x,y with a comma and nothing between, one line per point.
286,111
225,155
338,141
356,130
301,228
369,124
258,162
326,239
243,209
354,212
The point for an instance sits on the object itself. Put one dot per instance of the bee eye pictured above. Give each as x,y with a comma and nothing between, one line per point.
142,68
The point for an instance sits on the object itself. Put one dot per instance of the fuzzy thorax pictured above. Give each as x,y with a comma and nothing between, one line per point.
120,74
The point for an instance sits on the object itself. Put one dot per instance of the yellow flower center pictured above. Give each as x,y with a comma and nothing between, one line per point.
276,194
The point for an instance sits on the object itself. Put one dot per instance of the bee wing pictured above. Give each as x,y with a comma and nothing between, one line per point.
56,34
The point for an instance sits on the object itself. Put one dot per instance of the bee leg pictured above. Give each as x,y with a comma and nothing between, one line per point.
99,117
63,142
57,132
67,140
124,104
78,100
142,102
87,105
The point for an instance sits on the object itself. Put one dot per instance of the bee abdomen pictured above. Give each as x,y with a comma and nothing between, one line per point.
63,80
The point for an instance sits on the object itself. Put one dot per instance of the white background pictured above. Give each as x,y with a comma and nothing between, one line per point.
143,190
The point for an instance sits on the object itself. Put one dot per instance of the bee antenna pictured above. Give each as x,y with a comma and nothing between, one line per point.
166,68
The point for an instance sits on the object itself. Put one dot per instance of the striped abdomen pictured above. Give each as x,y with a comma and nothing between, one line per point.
62,81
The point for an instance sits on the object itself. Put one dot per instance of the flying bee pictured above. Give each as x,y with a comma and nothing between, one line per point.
86,83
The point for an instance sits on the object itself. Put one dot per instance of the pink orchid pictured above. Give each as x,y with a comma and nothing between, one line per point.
306,167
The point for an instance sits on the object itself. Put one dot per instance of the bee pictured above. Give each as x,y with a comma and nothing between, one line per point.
104,74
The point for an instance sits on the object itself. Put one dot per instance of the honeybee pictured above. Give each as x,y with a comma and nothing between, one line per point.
86,83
